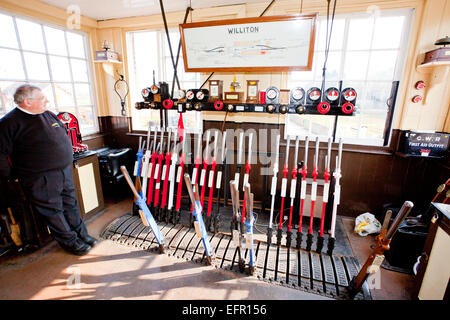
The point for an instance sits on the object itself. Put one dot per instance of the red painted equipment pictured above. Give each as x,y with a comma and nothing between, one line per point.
73,130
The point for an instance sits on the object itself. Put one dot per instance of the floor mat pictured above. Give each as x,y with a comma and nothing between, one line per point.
309,271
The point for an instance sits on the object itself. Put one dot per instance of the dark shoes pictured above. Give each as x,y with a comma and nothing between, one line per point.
78,248
81,246
89,240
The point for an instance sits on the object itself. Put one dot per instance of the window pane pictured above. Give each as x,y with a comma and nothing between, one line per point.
56,42
190,85
362,126
67,109
141,119
142,61
36,65
375,96
11,64
333,66
83,94
193,121
85,117
360,33
76,45
382,65
303,75
60,68
79,70
337,34
388,32
64,95
348,126
174,39
30,35
146,58
8,38
7,89
309,125
355,66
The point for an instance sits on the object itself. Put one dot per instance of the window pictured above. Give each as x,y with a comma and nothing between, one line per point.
367,53
148,54
52,58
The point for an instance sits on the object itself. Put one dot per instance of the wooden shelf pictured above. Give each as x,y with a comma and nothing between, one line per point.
427,67
108,61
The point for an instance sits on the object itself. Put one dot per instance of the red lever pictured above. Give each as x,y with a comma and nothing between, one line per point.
323,107
168,104
218,105
347,108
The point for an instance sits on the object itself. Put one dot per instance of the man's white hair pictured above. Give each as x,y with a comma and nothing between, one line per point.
24,92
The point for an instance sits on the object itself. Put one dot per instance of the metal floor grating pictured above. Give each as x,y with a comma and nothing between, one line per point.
299,269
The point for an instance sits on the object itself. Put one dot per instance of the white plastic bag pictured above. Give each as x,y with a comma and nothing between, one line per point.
366,223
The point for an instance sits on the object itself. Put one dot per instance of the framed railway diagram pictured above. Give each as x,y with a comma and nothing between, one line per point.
276,43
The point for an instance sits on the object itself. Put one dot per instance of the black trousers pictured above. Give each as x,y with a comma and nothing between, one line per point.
52,195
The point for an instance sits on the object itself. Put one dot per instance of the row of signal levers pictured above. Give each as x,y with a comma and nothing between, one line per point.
298,188
162,173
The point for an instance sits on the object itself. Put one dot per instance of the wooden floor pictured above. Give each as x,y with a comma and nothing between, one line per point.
393,285
39,275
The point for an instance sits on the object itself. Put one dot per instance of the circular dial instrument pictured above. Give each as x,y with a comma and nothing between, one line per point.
181,94
297,94
271,94
314,95
190,95
145,92
332,94
200,95
154,89
349,94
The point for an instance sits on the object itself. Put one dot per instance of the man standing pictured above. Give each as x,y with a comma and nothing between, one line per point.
40,154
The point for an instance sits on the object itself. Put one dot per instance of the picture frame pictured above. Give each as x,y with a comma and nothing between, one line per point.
265,44
252,91
215,90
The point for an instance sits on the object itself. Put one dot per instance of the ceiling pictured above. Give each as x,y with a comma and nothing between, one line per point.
113,9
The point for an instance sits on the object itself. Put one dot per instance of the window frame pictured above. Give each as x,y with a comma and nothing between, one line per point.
90,79
398,73
162,57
